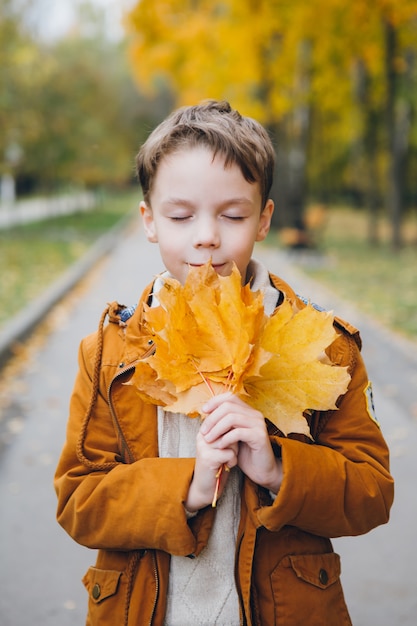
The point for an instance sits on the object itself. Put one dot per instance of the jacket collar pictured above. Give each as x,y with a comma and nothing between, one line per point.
138,341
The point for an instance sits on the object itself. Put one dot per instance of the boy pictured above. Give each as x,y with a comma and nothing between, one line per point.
137,482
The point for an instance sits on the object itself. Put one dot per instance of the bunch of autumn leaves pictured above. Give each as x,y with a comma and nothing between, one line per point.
212,335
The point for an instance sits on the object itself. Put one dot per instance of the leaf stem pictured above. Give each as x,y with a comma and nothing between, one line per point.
216,490
205,380
224,466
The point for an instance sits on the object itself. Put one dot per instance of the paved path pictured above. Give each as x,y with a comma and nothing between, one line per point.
41,567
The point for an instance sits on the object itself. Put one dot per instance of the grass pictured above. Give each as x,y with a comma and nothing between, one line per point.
378,280
34,255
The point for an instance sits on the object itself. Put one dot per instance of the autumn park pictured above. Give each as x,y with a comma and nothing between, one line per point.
333,81
82,85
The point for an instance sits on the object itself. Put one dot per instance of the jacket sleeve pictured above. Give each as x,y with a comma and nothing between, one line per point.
341,484
111,505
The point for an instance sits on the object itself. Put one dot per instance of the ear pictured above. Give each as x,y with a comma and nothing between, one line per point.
265,220
148,222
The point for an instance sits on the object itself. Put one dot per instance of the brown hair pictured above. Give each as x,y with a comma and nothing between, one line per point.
215,125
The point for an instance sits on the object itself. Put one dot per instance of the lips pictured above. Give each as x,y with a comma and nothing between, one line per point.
215,266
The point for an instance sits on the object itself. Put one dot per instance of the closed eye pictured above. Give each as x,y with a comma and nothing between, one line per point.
177,218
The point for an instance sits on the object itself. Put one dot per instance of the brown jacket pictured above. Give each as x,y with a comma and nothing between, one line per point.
117,496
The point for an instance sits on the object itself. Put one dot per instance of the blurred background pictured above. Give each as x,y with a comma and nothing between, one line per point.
82,83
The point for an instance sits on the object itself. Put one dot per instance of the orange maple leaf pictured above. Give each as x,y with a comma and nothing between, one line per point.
212,334
206,336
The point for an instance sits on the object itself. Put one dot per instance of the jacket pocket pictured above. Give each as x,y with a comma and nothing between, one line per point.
106,595
307,591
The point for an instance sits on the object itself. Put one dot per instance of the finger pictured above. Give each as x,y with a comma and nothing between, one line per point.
212,456
228,417
216,401
249,436
228,405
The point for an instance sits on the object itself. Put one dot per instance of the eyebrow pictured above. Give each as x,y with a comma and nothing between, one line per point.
178,202
239,200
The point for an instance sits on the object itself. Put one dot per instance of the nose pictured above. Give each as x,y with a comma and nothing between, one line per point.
207,234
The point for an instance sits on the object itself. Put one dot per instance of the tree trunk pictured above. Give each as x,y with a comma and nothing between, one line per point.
368,149
292,138
394,178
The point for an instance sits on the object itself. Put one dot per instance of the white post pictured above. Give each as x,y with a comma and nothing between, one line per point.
7,190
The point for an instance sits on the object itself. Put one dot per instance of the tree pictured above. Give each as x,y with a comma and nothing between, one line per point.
272,61
69,106
382,36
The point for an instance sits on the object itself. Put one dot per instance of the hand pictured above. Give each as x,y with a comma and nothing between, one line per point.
232,425
210,457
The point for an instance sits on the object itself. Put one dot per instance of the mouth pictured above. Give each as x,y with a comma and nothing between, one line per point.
215,266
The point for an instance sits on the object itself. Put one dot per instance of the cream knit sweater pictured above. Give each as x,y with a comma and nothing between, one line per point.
202,591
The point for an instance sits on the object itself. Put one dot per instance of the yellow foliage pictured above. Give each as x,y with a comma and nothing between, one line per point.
211,335
248,52
298,376
205,332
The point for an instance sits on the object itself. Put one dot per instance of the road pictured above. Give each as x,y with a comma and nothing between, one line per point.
41,567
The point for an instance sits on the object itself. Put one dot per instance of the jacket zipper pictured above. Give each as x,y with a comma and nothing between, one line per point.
121,436
155,572
239,592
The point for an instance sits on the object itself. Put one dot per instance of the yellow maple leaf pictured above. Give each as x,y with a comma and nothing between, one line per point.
211,335
153,389
206,330
171,325
298,377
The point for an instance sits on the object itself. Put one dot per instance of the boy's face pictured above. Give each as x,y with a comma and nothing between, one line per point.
201,210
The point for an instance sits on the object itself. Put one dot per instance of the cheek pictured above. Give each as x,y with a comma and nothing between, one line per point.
170,241
171,248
